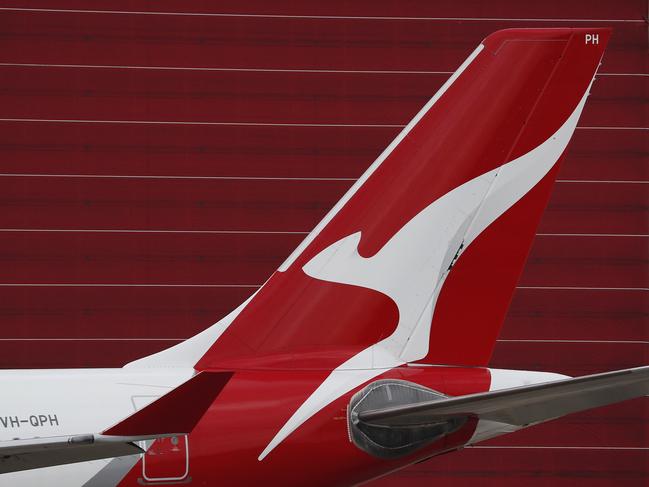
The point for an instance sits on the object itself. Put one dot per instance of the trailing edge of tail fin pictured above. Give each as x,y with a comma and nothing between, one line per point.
419,260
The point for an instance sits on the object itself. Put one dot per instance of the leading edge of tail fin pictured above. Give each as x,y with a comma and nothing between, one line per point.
419,260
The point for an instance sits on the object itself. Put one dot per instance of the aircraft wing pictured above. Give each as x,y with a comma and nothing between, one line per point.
159,419
521,406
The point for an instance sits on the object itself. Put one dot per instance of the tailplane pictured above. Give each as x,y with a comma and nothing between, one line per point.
416,416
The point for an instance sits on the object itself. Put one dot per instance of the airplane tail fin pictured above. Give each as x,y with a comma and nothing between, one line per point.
419,260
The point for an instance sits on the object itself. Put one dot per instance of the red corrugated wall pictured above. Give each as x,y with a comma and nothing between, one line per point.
159,160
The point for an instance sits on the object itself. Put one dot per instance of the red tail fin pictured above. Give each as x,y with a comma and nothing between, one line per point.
438,229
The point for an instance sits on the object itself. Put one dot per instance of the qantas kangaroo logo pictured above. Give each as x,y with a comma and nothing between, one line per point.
421,253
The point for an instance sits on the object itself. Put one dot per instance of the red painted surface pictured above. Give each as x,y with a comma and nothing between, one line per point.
479,289
509,100
338,152
241,413
193,398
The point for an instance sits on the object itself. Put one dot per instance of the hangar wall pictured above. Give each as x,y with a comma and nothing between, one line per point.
158,161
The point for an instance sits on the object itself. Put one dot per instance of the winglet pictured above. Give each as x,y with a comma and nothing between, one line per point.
177,411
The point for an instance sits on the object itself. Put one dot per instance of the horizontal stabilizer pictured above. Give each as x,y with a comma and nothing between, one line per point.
178,411
16,455
521,406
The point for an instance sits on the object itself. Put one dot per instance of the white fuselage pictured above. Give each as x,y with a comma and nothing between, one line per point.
45,403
